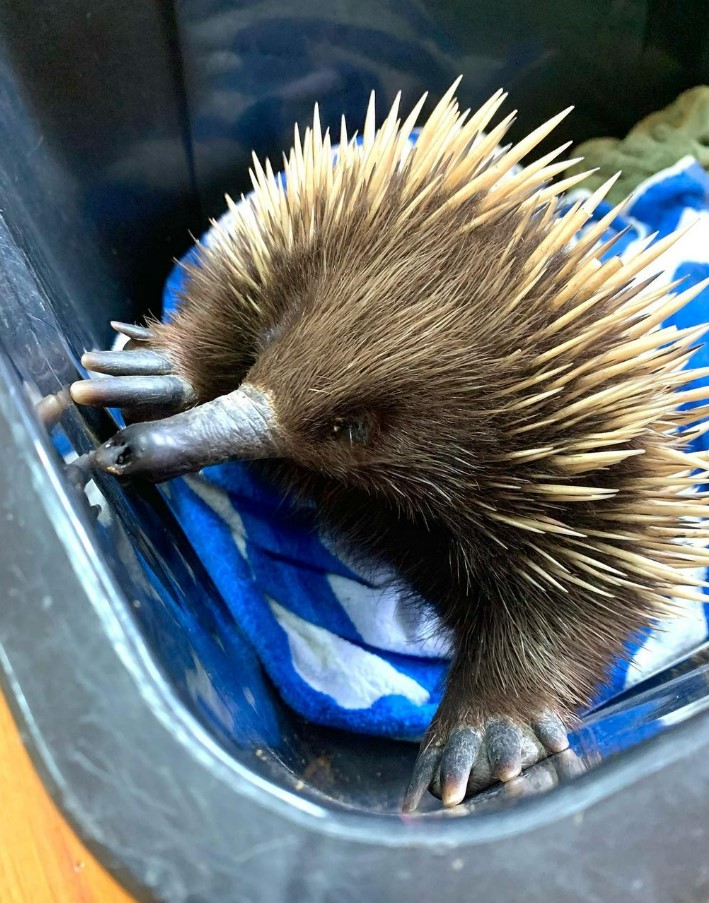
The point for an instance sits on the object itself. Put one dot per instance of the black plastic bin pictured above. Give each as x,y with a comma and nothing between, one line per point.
121,126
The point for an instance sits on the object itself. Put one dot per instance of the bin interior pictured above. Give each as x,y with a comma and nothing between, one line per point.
124,124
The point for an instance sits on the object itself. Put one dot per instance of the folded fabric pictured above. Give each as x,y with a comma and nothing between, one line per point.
350,652
657,142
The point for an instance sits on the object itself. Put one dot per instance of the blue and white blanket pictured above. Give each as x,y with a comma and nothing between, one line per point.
348,652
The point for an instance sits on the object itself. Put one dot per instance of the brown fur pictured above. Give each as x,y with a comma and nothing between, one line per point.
439,420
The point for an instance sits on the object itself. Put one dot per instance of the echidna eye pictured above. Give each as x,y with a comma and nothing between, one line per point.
350,429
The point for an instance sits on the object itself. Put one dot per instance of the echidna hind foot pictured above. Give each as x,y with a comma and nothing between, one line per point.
460,756
141,379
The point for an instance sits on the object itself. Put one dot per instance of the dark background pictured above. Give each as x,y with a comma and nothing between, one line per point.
139,115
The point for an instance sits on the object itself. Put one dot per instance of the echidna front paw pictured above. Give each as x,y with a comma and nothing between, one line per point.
141,381
457,762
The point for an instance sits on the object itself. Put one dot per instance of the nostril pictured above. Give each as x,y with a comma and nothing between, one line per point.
125,456
119,455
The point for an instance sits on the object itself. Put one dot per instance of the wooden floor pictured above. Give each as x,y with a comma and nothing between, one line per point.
41,859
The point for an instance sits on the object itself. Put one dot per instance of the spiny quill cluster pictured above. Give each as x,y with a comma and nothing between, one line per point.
590,378
466,393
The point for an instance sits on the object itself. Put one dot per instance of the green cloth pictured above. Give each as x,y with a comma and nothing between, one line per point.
656,142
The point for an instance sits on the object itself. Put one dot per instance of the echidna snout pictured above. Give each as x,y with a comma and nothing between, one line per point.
239,426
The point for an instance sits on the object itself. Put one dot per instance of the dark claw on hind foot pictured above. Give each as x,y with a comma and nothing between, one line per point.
457,762
424,772
504,749
551,731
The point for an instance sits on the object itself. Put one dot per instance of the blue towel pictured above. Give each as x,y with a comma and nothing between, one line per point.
345,651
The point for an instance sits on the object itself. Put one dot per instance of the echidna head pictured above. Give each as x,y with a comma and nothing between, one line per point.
373,367
368,301
379,370
375,352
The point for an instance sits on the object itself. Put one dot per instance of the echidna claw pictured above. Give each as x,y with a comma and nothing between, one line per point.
457,762
547,774
504,749
133,392
425,770
131,331
141,381
550,729
467,759
142,362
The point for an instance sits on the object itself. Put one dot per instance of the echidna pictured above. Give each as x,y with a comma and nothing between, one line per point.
409,338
